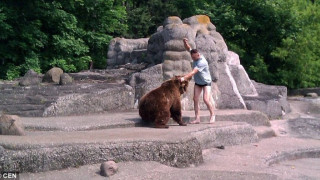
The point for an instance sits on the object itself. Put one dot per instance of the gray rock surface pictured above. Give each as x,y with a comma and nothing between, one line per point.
290,155
166,47
113,98
108,168
41,156
313,95
52,100
53,75
115,136
302,92
30,78
123,51
11,125
2,150
145,81
233,58
271,100
242,80
230,97
305,127
65,79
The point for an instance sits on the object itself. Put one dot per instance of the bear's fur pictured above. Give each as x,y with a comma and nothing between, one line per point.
164,102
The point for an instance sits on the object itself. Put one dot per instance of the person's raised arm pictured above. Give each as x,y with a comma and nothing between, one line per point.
186,44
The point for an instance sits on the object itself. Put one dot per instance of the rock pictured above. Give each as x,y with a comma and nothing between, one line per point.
305,127
313,95
65,79
11,125
108,168
53,75
302,92
91,98
230,97
1,151
233,58
75,99
271,100
30,78
122,51
242,80
146,81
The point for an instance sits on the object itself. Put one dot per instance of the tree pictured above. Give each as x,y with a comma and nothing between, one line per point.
37,34
253,29
299,54
144,17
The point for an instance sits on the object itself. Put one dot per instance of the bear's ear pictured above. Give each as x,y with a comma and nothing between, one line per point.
176,77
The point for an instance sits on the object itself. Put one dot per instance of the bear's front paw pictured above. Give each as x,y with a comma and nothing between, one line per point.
162,126
183,124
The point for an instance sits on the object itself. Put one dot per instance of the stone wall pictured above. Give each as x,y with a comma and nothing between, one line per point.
122,51
55,100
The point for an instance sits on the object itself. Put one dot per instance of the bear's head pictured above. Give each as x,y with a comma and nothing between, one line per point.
182,85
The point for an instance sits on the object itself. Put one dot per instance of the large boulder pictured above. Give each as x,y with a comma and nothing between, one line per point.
65,79
11,125
74,99
30,78
114,97
166,47
242,80
53,75
122,51
272,100
145,81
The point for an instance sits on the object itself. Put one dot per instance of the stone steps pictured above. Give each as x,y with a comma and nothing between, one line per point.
131,119
55,143
177,146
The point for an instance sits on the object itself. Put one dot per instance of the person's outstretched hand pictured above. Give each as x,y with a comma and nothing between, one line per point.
185,40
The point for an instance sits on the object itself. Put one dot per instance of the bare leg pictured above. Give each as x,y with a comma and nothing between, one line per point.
207,99
196,95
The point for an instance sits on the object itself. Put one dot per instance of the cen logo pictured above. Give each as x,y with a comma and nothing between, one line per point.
9,175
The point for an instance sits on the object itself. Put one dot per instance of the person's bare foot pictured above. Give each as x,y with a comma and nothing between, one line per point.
197,121
212,119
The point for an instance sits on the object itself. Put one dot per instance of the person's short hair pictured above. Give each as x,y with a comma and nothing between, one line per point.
193,51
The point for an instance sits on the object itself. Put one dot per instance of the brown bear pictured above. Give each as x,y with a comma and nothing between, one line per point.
164,102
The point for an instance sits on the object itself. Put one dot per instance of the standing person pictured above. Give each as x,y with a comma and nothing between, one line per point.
202,80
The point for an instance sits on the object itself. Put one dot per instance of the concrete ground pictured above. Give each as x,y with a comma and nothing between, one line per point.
251,161
293,153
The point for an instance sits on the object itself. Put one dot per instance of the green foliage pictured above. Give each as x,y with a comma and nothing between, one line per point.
145,16
299,54
260,68
12,71
38,34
